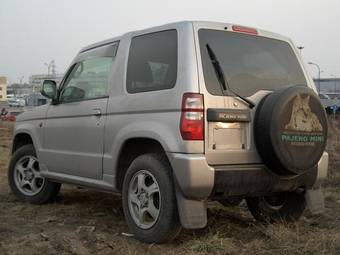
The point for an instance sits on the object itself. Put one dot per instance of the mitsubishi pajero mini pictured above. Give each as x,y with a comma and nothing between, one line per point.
172,117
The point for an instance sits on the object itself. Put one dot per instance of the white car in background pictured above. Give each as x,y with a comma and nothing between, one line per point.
13,102
16,102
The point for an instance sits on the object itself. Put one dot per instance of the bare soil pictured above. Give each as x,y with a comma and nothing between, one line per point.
83,221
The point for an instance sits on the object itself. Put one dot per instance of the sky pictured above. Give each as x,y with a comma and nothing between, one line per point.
34,32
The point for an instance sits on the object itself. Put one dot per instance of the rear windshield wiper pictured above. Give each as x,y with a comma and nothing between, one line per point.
221,77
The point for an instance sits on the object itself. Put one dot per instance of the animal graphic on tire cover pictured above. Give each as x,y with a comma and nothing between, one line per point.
302,117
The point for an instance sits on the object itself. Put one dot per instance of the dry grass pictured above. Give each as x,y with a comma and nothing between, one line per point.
333,148
88,222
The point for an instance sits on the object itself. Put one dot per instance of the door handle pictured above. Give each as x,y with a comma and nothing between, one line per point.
97,112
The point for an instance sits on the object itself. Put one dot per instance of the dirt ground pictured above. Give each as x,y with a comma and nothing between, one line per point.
83,221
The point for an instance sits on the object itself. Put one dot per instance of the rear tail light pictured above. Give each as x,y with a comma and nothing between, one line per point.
192,117
247,30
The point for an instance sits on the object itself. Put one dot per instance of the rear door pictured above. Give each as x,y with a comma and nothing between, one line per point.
253,66
74,128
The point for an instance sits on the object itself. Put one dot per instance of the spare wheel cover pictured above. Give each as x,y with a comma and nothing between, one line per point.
291,130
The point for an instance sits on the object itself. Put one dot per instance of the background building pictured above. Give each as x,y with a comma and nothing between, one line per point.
329,86
3,88
19,90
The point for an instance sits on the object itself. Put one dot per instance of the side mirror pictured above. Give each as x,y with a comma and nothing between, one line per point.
49,89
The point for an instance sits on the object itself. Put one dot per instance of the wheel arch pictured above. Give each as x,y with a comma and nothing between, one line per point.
132,148
28,132
20,139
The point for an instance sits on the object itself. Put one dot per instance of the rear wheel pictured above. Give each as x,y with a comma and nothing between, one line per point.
149,200
25,180
287,206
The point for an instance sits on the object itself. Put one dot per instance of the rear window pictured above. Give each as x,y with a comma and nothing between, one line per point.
250,63
152,63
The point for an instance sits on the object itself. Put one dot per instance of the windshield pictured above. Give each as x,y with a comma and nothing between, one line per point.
250,63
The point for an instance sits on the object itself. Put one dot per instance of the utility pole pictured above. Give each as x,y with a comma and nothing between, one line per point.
319,72
51,68
48,68
21,78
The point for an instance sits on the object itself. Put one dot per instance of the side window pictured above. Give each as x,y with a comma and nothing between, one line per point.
89,77
152,63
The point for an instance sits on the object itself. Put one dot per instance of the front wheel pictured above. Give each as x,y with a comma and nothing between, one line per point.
286,206
149,200
25,180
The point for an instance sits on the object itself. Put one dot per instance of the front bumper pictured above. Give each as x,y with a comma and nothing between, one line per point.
197,180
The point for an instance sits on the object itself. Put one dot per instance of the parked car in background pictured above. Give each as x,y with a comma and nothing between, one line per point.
330,104
36,99
13,102
16,102
172,117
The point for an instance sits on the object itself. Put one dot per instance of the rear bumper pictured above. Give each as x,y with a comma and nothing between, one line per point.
197,180
256,180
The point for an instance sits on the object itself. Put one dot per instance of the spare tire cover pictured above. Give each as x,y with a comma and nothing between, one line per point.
290,130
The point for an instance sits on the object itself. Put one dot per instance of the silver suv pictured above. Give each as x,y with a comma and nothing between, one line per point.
174,116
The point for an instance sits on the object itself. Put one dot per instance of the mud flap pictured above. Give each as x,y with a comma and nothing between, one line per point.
315,200
192,213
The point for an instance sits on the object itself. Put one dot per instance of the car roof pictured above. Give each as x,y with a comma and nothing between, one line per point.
197,24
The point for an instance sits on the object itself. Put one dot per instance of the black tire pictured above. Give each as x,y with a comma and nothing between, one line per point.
167,225
49,190
287,207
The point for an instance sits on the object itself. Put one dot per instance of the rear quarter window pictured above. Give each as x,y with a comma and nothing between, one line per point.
152,63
